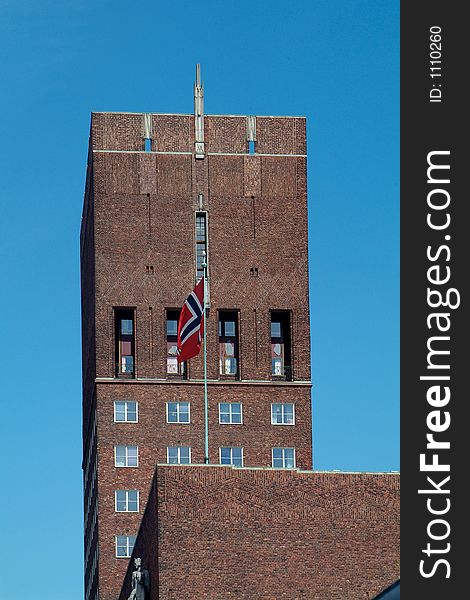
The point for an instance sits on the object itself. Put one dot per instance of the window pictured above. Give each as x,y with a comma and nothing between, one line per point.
127,500
284,458
126,456
228,343
201,242
251,146
282,414
147,144
125,342
178,455
281,345
177,412
173,367
231,456
230,413
124,545
125,411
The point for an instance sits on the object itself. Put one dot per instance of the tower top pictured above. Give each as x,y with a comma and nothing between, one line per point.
199,113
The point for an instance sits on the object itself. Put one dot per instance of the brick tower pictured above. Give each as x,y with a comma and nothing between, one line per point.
162,189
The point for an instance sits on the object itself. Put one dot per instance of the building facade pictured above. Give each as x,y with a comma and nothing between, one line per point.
220,533
163,191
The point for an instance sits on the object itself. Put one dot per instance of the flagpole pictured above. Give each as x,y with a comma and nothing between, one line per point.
206,403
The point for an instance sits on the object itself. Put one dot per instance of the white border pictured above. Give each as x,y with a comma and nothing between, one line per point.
231,464
293,414
127,501
126,466
179,422
179,455
136,411
241,414
283,458
127,545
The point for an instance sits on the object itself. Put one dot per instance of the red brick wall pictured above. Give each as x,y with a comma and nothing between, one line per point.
142,214
264,534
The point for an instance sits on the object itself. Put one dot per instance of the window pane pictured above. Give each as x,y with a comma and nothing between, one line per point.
120,500
276,366
230,366
171,327
172,455
130,543
121,545
184,456
230,328
132,411
225,456
288,414
132,502
275,329
172,412
237,457
236,413
229,348
120,411
276,412
126,348
127,364
289,458
184,412
172,365
120,456
131,456
126,326
224,417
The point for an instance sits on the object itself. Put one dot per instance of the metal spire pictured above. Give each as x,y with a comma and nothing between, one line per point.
199,113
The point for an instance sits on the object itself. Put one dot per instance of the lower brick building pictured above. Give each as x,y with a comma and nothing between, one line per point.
220,533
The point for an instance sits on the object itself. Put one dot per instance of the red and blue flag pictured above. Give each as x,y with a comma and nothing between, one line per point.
191,324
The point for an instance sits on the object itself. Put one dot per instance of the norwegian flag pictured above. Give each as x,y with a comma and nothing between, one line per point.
191,324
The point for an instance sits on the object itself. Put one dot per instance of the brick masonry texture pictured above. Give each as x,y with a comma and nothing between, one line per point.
216,533
139,211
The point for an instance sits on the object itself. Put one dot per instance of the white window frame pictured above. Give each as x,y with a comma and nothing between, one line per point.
179,455
129,554
230,413
283,457
231,448
188,422
126,411
126,466
127,501
283,404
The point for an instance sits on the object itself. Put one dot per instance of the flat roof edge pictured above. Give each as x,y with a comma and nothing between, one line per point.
310,472
124,112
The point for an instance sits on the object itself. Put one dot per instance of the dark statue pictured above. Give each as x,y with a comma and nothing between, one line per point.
140,582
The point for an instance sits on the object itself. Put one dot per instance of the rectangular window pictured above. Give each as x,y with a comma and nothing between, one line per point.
124,545
284,458
230,413
178,455
126,456
201,242
148,145
228,343
231,456
282,414
127,500
173,367
125,342
125,411
177,412
281,366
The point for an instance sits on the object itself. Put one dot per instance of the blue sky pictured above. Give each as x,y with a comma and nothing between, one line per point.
337,62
